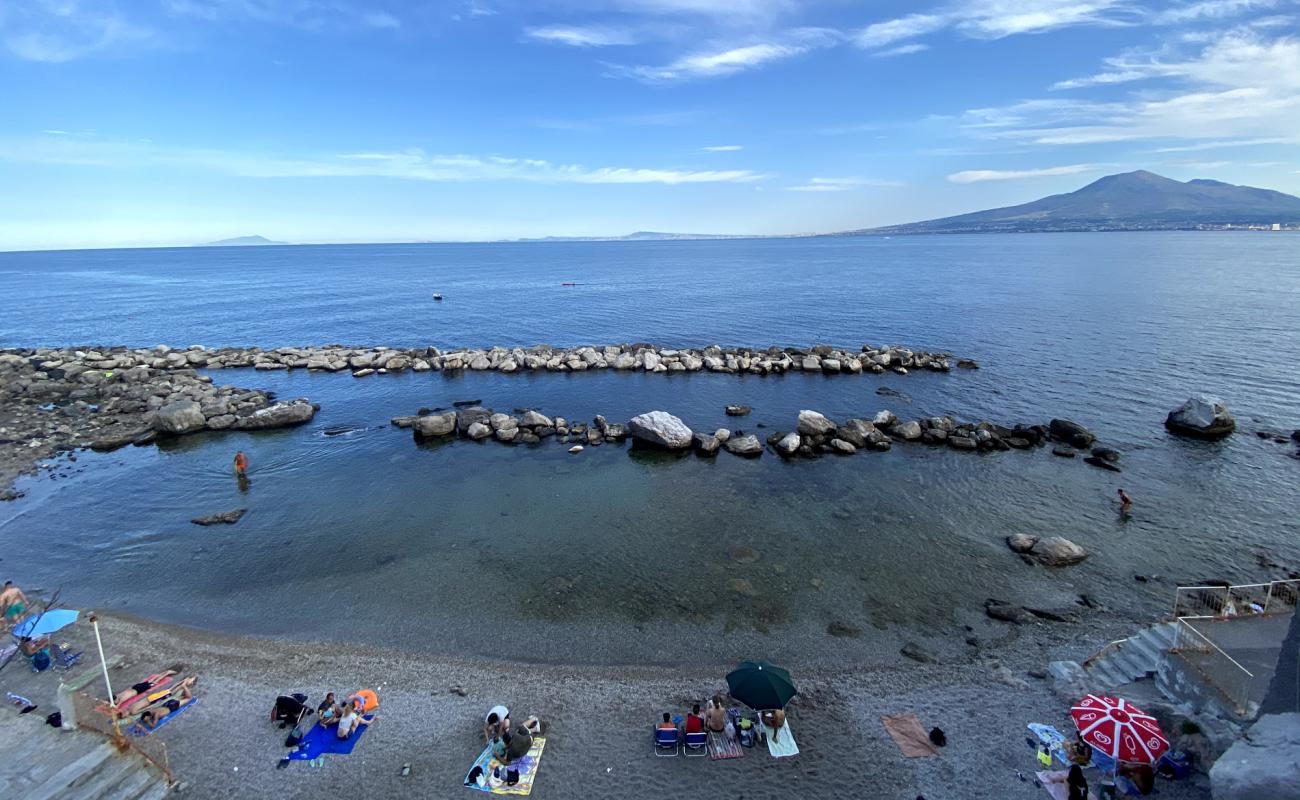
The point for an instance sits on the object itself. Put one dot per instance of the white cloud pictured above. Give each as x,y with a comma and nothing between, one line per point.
1194,148
708,65
981,175
723,148
581,37
1240,84
841,184
1210,9
56,31
901,50
996,19
411,164
747,9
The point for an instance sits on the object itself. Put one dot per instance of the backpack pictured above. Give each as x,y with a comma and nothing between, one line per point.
40,661
295,736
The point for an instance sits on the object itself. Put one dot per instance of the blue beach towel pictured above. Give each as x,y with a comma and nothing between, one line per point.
320,741
139,730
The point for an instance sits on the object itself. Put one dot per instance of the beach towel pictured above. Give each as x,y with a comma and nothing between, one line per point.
722,746
784,748
139,730
1053,782
526,764
320,741
1051,739
907,733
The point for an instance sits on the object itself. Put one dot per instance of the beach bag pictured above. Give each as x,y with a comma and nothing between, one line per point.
748,736
937,737
295,736
41,661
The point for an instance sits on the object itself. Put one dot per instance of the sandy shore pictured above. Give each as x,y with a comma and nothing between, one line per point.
599,717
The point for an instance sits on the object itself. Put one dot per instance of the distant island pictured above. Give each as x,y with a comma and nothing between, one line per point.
648,236
1131,201
241,241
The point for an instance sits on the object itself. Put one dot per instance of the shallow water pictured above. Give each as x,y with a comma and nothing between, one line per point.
611,555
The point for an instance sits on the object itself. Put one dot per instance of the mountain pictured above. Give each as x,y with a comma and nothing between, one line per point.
1130,201
242,241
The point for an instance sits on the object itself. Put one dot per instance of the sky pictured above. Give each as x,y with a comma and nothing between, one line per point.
167,122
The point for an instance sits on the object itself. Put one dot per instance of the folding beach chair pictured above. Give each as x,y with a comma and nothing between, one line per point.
667,742
696,744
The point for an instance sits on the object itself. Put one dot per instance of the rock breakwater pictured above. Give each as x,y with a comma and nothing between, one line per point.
366,361
59,400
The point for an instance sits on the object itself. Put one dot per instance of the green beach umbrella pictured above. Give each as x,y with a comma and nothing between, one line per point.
760,685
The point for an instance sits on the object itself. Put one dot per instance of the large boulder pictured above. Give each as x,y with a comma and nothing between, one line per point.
811,423
787,445
1055,551
908,431
706,444
280,415
1264,763
183,416
1063,430
533,419
1021,542
1203,417
660,429
748,446
434,424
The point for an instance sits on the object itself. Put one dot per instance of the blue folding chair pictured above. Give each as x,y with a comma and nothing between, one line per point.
667,742
696,744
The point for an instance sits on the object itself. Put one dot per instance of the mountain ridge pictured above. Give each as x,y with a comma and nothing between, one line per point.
1139,200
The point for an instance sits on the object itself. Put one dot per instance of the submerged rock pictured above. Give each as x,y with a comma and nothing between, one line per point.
738,411
1064,430
224,518
1021,542
1056,551
1202,417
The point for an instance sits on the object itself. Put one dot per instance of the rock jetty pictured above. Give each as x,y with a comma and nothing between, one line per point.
365,361
59,400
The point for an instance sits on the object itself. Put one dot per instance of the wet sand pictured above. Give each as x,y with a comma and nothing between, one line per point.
599,720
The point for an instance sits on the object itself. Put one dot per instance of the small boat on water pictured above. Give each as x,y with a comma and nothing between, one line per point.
570,283
437,296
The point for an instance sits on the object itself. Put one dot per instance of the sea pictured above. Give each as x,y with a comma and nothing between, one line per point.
356,532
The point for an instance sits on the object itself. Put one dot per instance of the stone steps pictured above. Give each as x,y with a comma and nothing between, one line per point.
1138,658
44,763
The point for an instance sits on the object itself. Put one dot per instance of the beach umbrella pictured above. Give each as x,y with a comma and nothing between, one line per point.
1119,729
46,623
761,685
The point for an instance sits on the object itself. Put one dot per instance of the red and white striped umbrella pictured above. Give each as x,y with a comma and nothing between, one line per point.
1119,729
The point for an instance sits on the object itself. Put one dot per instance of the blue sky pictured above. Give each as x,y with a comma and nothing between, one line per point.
144,122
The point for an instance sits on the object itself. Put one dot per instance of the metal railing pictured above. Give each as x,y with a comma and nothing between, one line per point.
96,715
1219,669
1215,602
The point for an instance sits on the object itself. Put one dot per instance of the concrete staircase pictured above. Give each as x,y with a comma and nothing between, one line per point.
1139,657
42,763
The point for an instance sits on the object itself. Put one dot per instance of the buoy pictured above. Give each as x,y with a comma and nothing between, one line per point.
437,296
577,448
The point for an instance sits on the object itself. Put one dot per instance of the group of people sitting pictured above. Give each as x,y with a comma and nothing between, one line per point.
509,741
716,719
347,717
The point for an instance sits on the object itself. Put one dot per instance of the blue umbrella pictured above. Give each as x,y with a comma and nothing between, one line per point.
46,623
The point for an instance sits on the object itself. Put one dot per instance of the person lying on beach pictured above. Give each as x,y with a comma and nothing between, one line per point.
12,603
350,722
496,722
151,717
774,719
517,743
179,690
715,716
146,685
694,721
667,724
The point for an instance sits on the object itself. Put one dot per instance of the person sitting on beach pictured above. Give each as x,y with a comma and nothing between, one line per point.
12,603
774,719
694,721
518,743
1077,784
496,723
715,716
350,722
329,711
1079,751
667,724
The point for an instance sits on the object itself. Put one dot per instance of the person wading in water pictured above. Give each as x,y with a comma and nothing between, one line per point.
241,469
1125,502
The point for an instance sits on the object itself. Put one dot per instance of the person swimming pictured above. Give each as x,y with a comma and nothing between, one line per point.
1125,502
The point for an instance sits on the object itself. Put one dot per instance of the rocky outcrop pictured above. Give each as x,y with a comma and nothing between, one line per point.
1021,543
1072,433
660,429
1055,551
787,445
434,425
746,446
706,444
1265,763
280,415
738,411
180,417
813,423
1201,417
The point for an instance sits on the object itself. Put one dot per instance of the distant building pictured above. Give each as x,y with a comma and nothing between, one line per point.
1277,226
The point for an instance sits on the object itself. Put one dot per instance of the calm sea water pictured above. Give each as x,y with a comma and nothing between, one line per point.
531,553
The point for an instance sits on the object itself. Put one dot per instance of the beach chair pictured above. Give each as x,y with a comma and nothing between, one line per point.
696,744
667,742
